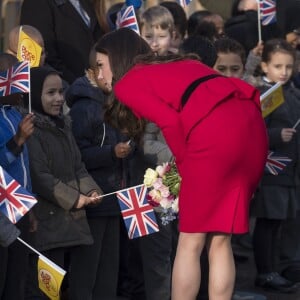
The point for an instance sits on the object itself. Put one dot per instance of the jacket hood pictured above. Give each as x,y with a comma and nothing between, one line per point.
38,76
83,89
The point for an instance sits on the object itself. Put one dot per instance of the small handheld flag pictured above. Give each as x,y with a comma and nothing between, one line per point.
137,213
267,12
28,49
271,99
50,277
184,3
15,201
15,79
276,163
126,18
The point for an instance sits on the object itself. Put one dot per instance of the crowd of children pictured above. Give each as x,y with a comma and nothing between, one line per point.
68,154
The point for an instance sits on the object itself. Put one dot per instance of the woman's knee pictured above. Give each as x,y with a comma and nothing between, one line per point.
192,242
218,241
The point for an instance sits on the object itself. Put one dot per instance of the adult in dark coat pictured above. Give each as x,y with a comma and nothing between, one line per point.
68,39
243,25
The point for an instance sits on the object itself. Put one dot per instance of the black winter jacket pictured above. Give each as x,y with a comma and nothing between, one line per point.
96,141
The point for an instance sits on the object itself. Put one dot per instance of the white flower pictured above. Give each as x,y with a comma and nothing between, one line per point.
155,195
175,206
165,203
149,177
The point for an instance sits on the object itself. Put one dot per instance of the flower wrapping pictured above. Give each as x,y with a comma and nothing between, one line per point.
164,185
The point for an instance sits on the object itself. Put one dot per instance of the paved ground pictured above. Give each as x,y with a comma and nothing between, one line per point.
245,282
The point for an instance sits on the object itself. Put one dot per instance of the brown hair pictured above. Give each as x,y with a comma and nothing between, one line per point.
276,45
157,16
122,47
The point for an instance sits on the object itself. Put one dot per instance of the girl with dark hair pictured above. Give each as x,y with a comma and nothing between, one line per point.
277,198
59,179
195,120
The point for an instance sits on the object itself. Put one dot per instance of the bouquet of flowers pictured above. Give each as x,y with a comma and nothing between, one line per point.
164,184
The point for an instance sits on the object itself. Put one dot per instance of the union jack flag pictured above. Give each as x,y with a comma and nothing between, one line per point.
184,3
267,11
137,213
15,79
276,163
15,201
126,18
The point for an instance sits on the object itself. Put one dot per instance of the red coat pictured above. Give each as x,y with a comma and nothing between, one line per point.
219,139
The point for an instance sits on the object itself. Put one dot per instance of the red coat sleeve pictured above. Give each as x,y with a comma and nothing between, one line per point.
135,92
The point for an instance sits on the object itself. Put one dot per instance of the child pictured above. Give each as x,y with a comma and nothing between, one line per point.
13,40
158,29
218,21
32,32
180,22
231,63
201,46
195,19
60,180
150,265
14,132
105,153
231,58
276,199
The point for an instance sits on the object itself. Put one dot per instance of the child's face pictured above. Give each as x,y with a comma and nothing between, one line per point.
229,64
103,73
158,39
279,68
52,95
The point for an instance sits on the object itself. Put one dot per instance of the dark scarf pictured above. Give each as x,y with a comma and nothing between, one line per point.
37,79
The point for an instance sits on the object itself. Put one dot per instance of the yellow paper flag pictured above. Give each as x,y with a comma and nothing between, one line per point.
271,99
28,49
50,277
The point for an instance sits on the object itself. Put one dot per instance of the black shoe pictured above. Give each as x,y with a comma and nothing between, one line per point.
292,274
275,282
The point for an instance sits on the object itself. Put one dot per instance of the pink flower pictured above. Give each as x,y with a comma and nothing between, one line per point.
163,169
157,184
164,191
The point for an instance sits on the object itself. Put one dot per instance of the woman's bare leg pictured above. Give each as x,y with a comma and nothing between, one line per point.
221,267
186,271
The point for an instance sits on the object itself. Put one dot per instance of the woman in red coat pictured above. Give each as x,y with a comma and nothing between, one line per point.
218,137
